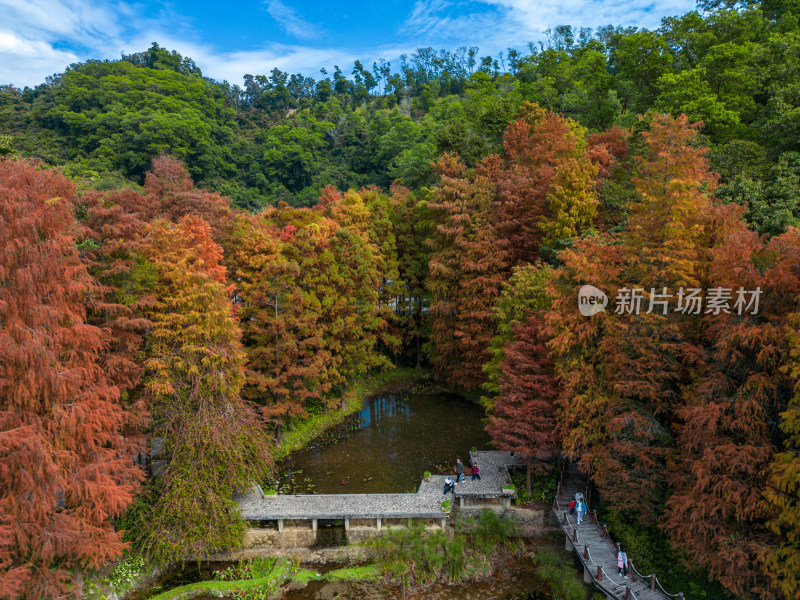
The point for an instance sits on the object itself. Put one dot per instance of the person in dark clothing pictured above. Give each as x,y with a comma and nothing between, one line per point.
459,470
449,486
475,472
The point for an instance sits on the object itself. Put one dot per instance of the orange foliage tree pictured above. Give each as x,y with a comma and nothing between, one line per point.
213,440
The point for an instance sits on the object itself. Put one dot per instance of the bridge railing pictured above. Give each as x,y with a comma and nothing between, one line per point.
654,582
598,578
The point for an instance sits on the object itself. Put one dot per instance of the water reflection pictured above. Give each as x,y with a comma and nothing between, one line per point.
387,446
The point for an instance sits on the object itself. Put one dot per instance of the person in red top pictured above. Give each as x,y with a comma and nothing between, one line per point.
475,473
571,507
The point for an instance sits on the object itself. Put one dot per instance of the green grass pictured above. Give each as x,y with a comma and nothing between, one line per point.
281,573
354,573
305,431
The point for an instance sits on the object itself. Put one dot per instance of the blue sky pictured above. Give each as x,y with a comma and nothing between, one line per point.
228,39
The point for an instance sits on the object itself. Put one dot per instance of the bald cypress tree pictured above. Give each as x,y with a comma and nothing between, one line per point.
213,441
65,468
523,415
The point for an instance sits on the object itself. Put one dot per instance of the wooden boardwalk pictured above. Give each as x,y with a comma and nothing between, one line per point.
596,551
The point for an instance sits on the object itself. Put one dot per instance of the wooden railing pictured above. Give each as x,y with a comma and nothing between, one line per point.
599,577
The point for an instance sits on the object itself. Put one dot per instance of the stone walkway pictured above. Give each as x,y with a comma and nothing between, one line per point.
425,504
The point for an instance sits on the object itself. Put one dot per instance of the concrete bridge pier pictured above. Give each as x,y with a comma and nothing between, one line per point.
378,523
587,576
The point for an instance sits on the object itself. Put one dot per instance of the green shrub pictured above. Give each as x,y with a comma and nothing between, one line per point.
491,531
414,557
543,485
564,582
126,573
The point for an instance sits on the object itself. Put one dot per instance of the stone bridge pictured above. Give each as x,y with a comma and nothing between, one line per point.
295,520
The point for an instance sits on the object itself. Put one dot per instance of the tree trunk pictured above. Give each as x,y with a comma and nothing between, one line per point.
528,479
344,395
77,580
278,435
418,353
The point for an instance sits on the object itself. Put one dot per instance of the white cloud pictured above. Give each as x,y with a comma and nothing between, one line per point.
29,61
60,19
291,23
35,35
232,66
42,37
497,24
49,35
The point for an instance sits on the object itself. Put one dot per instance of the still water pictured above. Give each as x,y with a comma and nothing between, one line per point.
387,446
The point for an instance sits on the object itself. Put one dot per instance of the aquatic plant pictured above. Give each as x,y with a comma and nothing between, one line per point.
250,568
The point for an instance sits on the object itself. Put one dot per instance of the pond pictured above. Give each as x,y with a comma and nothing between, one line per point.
387,446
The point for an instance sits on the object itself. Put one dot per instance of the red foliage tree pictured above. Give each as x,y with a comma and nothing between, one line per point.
65,468
725,442
111,240
624,373
281,331
541,183
169,186
523,417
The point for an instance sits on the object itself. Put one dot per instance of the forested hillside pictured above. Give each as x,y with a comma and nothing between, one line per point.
283,137
208,264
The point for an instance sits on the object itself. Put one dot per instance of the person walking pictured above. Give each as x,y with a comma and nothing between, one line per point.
579,508
571,507
585,509
475,472
620,561
459,470
625,564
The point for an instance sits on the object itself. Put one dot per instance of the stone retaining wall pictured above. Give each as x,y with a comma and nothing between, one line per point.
296,533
